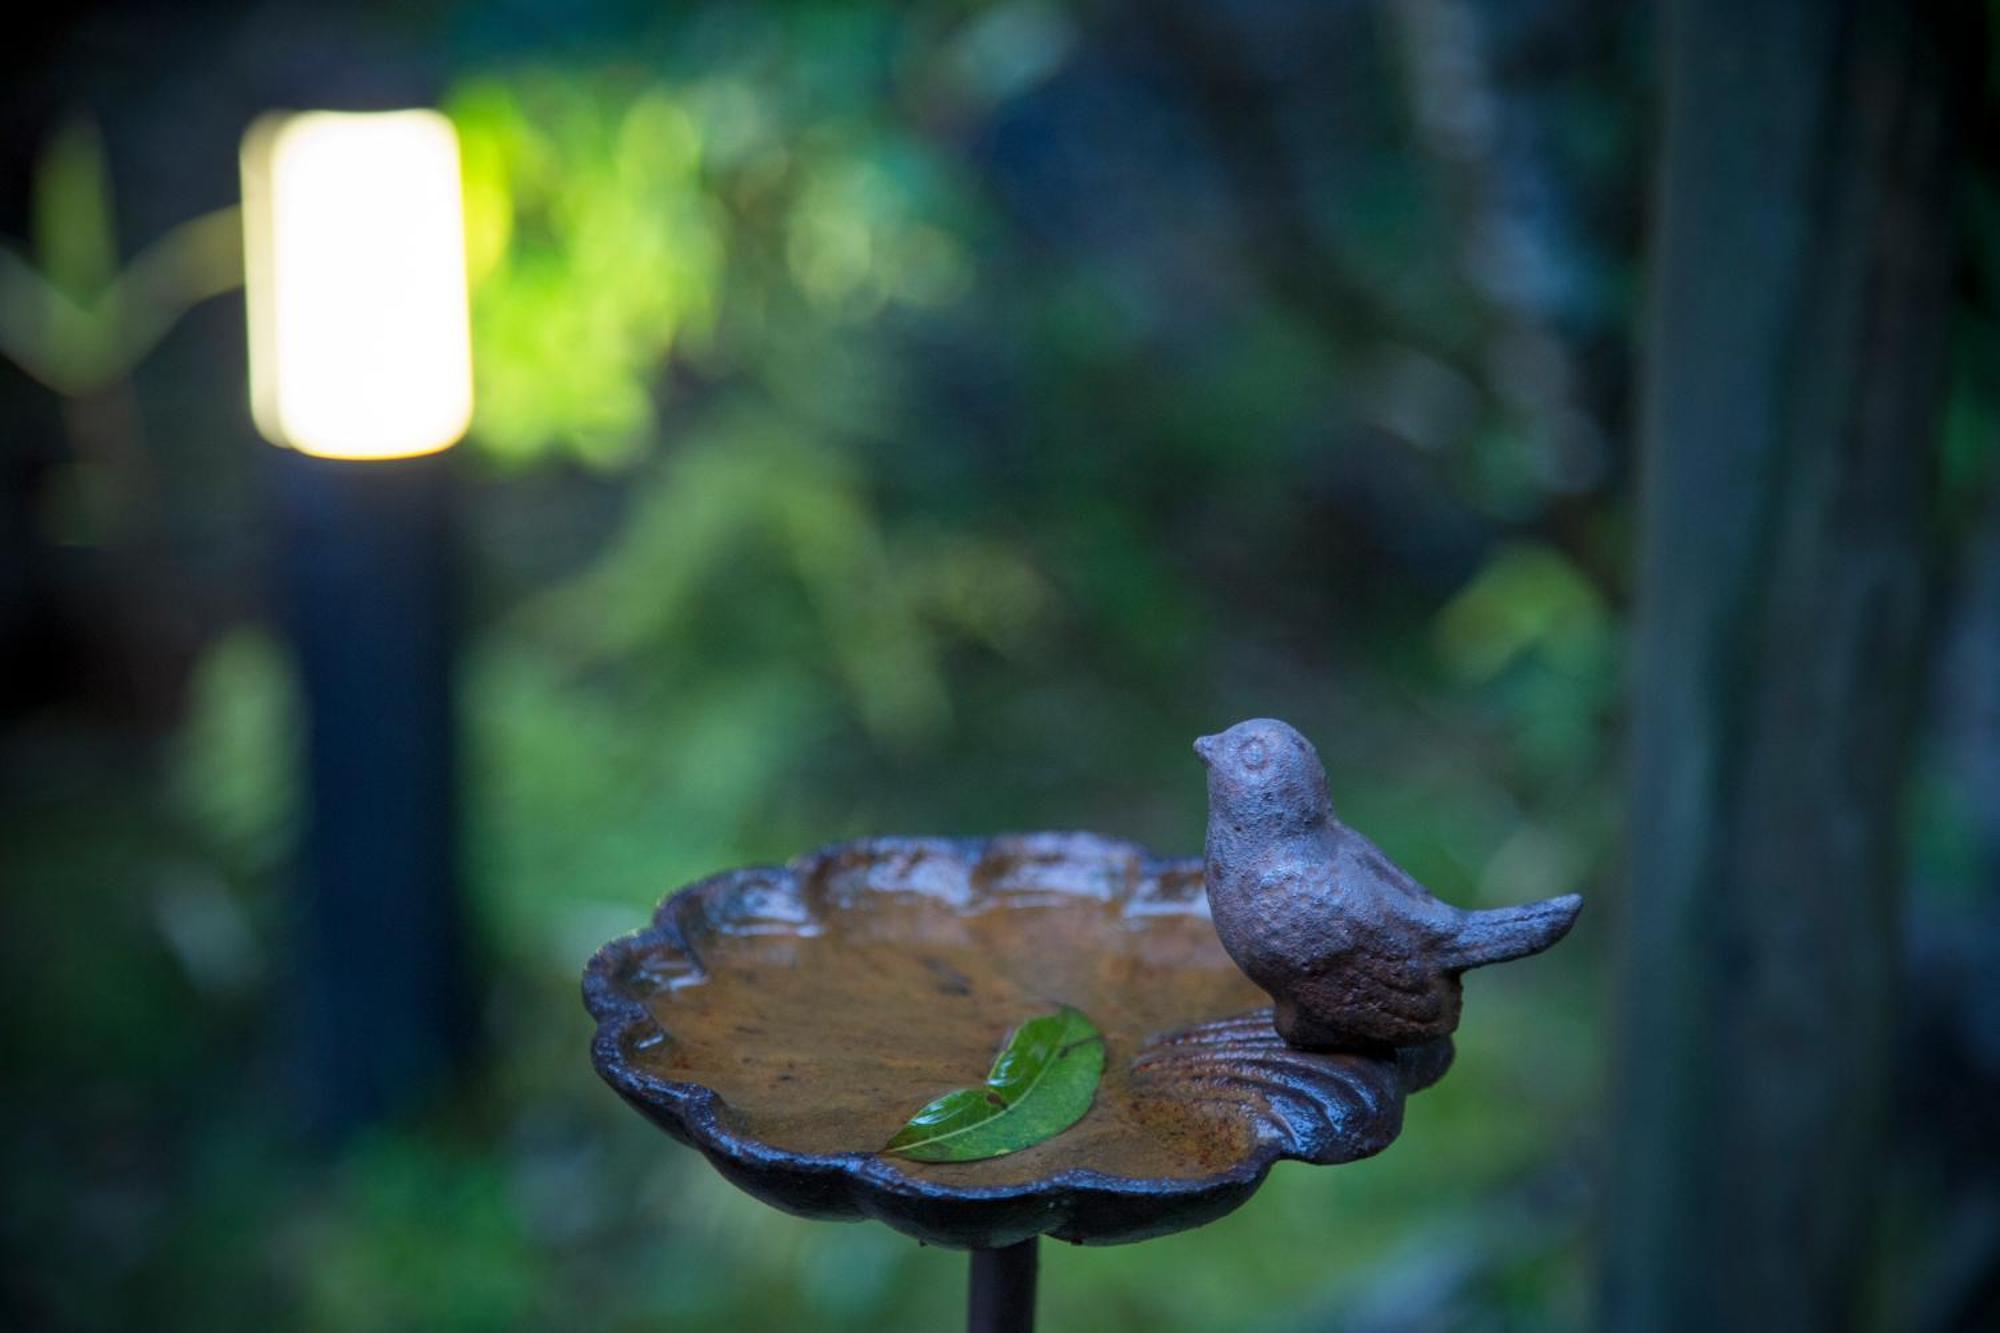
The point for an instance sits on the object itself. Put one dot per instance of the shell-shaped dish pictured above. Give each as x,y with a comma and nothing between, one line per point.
785,1020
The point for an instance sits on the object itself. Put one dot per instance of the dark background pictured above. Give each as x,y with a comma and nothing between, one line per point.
928,417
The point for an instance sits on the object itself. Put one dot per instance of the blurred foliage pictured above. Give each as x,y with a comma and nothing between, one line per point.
754,606
593,249
597,207
756,601
234,775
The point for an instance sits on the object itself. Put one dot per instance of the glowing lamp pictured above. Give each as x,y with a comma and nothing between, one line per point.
354,242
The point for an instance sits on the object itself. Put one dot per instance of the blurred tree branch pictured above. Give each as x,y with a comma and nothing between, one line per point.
1282,247
69,316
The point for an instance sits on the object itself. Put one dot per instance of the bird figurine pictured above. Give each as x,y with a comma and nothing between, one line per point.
1355,954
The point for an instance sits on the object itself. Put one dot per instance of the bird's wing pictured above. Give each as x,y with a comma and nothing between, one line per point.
1385,876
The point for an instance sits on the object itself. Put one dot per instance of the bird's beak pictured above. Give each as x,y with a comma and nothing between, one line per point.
1205,747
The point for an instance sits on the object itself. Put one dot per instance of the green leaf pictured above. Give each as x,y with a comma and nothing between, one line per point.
73,231
1042,1082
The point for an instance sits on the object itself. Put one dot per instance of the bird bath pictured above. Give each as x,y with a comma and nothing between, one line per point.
785,1021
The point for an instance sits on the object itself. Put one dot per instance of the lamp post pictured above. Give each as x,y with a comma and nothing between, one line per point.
360,366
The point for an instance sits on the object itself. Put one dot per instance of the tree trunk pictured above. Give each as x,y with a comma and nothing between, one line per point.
1801,290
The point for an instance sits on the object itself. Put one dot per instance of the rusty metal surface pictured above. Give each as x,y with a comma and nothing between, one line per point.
1354,953
784,1020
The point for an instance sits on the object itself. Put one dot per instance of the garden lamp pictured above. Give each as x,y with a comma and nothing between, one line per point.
354,240
360,365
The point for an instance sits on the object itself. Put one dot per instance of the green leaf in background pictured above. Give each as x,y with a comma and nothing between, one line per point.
1042,1083
74,234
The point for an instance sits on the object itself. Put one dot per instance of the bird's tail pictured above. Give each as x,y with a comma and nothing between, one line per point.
1507,933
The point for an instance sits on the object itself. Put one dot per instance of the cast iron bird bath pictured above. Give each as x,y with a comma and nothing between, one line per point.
786,1020
751,1019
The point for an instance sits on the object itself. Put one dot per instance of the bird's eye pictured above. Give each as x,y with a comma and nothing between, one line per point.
1253,754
